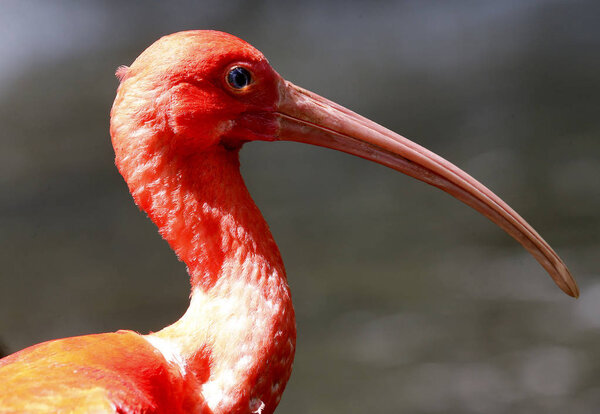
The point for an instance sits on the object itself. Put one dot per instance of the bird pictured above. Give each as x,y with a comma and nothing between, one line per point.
183,110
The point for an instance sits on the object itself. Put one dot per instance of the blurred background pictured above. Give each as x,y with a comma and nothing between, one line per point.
406,300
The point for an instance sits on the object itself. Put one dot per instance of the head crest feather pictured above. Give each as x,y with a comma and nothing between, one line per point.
122,73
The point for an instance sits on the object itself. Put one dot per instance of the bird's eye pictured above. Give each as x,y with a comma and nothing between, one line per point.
239,77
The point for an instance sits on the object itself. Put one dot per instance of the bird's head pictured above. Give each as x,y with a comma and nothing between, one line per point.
200,89
193,92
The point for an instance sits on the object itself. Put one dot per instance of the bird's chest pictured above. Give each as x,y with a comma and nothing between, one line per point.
237,342
251,347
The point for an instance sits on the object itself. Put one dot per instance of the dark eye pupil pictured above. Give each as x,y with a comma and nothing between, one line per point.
239,77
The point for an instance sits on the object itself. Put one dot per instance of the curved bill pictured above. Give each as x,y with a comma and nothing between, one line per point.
312,119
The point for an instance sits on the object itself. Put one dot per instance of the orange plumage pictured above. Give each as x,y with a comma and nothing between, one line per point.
118,372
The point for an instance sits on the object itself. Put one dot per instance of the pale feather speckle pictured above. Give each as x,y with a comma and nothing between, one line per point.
256,406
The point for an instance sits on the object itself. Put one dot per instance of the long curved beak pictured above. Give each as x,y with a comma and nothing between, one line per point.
306,117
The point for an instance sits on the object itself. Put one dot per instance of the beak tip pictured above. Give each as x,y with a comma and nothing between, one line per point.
566,281
574,291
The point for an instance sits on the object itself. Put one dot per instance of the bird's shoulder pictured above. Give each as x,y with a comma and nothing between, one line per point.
117,372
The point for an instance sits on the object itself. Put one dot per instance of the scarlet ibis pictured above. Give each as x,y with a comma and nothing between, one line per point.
182,112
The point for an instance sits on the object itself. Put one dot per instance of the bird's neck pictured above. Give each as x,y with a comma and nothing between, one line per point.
236,341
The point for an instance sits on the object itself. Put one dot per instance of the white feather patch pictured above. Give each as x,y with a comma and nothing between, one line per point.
169,350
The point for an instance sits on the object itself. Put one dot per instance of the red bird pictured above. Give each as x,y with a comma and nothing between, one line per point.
183,110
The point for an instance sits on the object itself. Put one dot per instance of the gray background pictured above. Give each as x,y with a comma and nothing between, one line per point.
406,300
